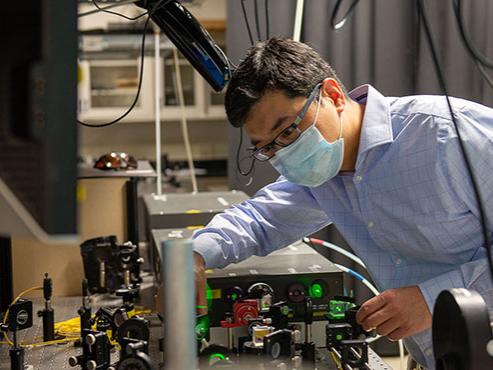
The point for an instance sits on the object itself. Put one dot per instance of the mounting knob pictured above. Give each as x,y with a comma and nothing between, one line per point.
258,290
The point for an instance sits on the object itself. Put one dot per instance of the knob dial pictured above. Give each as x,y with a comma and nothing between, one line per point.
258,290
296,292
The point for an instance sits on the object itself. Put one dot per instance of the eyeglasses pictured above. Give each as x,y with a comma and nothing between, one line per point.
116,161
287,136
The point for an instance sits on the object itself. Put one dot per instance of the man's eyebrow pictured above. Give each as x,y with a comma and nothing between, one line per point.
279,123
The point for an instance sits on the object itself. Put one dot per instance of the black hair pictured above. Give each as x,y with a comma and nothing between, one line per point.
275,64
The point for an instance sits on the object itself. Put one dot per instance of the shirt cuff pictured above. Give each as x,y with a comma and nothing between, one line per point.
210,250
431,288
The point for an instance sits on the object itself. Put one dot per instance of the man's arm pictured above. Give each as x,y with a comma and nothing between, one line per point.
276,216
402,312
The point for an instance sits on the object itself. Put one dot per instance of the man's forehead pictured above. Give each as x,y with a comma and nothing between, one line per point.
269,129
271,112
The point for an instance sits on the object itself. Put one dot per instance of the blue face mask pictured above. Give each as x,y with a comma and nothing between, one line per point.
310,160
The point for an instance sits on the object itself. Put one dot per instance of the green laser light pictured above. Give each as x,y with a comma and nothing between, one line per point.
219,356
316,291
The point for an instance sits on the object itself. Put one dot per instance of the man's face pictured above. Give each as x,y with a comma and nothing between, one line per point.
275,111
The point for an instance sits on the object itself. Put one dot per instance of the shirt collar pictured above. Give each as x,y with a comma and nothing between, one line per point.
376,128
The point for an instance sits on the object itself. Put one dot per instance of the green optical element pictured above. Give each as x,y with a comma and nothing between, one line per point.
202,327
219,356
285,310
338,308
199,333
234,297
199,306
339,337
316,290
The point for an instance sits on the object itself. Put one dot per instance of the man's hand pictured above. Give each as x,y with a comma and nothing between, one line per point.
200,284
396,313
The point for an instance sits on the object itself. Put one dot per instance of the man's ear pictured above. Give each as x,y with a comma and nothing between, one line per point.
333,91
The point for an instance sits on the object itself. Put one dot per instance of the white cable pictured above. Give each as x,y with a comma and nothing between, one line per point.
157,108
359,277
401,354
184,125
298,20
337,249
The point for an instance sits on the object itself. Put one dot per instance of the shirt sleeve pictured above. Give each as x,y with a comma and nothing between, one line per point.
476,127
472,275
278,215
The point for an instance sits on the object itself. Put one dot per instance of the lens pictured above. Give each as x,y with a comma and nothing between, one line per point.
289,135
265,153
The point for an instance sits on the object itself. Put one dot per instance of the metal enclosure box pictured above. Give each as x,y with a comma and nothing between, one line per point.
183,210
290,272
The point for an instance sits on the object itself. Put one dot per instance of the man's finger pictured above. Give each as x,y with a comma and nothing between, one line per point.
369,307
200,285
389,326
375,319
201,298
397,334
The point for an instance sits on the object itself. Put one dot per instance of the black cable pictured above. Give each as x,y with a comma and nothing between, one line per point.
238,149
473,53
137,94
267,20
441,79
338,25
257,21
118,14
247,22
485,61
141,73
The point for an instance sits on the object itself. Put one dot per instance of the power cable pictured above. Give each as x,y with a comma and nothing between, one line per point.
338,25
116,13
141,73
267,19
479,59
184,125
257,21
247,23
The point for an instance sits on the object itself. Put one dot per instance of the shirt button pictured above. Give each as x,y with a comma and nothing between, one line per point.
398,261
371,224
358,178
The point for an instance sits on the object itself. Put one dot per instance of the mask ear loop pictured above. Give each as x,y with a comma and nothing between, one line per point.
319,103
340,115
342,122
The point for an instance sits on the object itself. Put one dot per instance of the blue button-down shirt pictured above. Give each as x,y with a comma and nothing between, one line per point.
408,210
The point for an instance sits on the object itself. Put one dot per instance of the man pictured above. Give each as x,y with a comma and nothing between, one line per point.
388,172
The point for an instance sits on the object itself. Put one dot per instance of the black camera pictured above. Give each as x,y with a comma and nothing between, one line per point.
20,315
109,266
